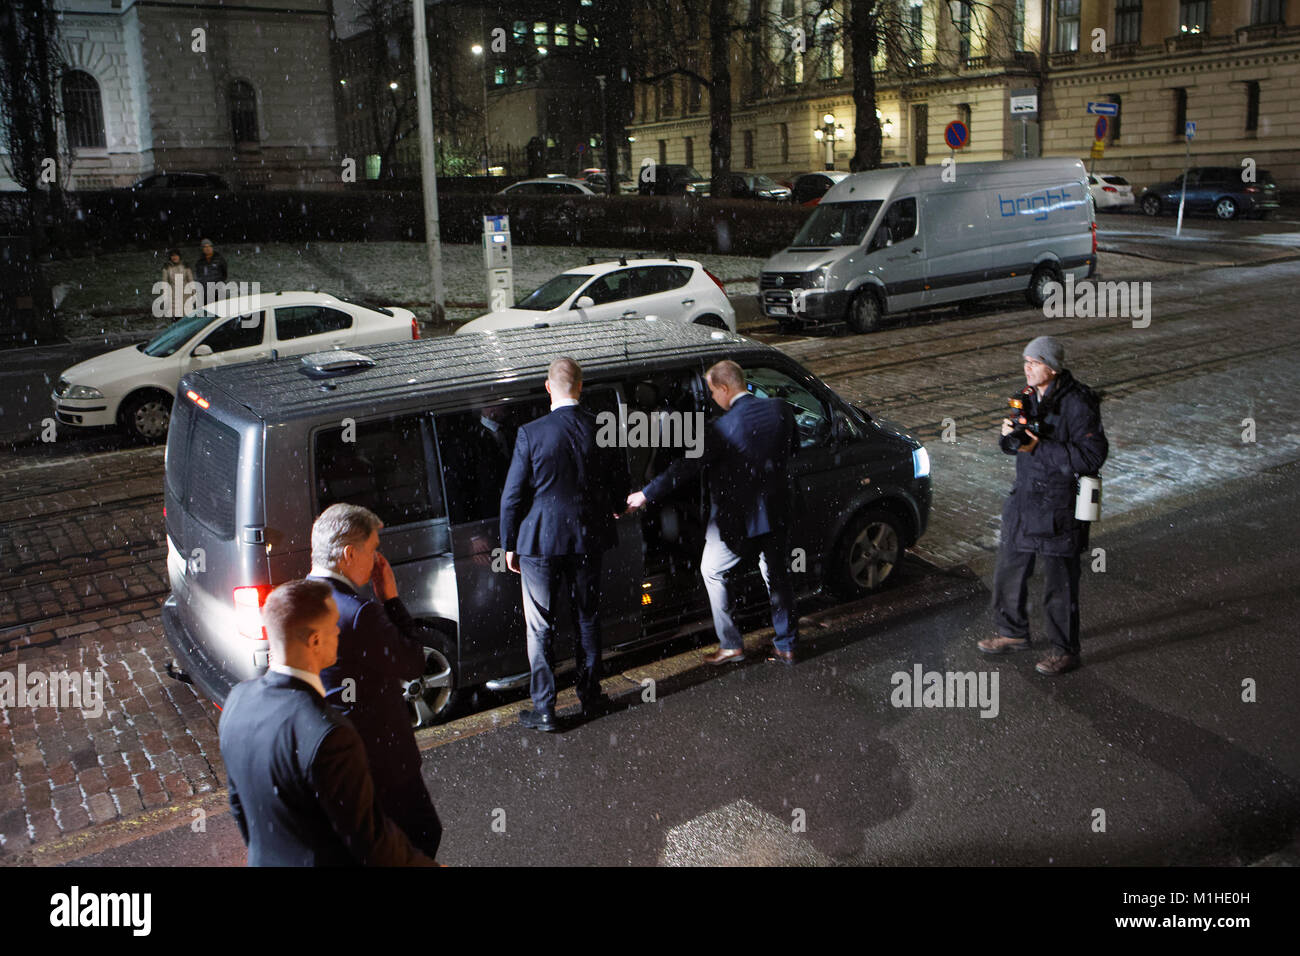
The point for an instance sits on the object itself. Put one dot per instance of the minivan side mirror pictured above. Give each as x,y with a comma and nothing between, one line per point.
584,302
200,350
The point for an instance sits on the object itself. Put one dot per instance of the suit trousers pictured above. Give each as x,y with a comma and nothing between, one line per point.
1060,596
547,581
718,561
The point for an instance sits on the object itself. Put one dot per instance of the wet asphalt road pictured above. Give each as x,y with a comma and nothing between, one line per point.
762,764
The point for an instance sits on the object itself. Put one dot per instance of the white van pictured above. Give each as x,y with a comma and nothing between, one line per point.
891,240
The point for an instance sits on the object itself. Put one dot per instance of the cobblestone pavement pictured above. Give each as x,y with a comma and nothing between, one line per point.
82,553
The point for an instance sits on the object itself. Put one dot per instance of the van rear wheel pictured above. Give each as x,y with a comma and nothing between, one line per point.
865,312
1046,273
435,696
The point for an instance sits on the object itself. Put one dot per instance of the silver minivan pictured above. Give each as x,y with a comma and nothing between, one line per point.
892,240
422,434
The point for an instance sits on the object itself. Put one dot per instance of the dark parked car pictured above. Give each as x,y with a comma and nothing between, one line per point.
811,187
671,179
1214,189
757,186
182,182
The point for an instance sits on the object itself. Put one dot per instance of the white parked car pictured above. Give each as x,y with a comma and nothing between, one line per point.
677,290
134,386
556,186
1110,192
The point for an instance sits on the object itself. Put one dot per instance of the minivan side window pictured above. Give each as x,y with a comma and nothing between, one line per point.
381,465
811,416
210,471
297,321
243,332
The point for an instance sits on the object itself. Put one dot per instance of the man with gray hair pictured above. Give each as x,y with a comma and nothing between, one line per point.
1056,438
379,648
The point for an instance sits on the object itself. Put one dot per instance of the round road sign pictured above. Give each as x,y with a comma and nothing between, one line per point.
955,134
1101,128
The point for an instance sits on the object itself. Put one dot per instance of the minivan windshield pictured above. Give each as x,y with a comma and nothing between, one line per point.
171,339
837,224
552,293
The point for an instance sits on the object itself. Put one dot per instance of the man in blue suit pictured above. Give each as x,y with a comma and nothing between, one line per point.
561,498
379,648
300,789
747,452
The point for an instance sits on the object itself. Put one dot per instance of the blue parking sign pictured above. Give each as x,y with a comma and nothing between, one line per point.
1191,129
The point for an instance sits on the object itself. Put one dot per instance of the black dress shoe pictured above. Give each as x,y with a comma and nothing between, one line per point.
778,656
538,720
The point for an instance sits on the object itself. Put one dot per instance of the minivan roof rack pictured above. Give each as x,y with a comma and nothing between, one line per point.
335,362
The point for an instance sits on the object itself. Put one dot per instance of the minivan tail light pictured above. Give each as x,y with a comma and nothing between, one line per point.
716,280
196,398
415,329
248,611
1251,189
1094,238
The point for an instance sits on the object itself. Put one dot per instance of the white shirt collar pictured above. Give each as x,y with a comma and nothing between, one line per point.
306,677
319,572
738,397
562,402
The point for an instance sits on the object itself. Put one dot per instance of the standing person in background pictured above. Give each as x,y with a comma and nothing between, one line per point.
208,269
179,278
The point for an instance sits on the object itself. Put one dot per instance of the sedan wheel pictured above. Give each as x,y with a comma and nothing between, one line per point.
146,418
1226,208
1151,206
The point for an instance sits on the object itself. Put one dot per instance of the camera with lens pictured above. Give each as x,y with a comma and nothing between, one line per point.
1024,427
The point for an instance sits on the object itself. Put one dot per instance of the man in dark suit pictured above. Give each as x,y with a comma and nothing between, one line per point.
558,509
300,789
379,648
747,452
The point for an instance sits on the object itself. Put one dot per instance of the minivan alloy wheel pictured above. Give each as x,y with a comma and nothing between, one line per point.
432,697
1226,208
869,552
1151,206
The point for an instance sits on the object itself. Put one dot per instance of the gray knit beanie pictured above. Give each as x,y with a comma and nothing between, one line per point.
1047,350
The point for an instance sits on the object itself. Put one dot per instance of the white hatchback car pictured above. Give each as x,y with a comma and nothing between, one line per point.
134,386
1110,192
678,290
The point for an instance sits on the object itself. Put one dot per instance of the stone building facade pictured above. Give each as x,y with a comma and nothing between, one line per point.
1230,66
243,88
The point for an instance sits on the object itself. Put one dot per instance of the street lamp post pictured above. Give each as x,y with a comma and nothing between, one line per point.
828,133
477,50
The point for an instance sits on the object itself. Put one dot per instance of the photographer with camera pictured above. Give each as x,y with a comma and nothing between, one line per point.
1057,438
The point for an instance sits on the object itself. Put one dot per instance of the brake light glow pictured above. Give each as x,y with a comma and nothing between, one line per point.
1109,189
415,329
248,611
196,398
716,280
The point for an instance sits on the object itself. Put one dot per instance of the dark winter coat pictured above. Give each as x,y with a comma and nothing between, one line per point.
1038,514
209,270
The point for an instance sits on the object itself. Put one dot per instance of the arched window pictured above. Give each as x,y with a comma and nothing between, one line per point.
83,111
243,112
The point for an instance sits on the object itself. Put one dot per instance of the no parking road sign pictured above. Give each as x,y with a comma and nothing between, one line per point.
1101,128
956,134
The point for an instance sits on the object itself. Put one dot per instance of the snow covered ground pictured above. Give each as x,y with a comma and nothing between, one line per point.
113,293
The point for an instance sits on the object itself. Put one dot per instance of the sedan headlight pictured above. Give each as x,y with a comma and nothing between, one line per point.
920,462
82,391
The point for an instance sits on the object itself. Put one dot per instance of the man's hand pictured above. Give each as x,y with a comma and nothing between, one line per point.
635,502
382,580
1029,445
512,561
1007,426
